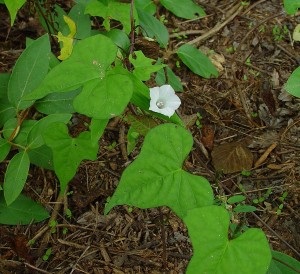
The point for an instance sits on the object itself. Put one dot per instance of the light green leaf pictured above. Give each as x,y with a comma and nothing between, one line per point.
196,61
90,59
143,66
291,6
22,211
35,136
68,152
13,6
236,199
152,27
28,72
112,10
186,9
104,98
4,149
292,85
15,176
215,253
283,264
156,177
57,102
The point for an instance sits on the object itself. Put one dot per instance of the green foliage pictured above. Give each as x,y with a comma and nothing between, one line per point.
13,6
192,57
153,28
156,177
215,253
293,84
110,10
291,6
21,212
283,264
185,9
28,72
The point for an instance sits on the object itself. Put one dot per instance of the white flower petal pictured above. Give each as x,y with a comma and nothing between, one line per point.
154,93
165,94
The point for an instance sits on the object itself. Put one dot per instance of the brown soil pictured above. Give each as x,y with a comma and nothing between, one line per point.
246,103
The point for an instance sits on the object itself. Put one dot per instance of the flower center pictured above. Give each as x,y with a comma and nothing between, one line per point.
160,104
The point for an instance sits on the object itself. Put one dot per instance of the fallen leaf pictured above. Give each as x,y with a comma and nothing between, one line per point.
208,135
232,157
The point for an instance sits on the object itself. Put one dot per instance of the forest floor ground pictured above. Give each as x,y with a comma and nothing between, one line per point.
255,55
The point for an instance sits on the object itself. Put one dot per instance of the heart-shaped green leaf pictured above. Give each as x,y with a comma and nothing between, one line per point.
156,177
89,61
104,98
215,253
68,152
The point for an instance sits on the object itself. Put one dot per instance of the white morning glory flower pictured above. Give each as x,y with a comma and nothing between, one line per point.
164,100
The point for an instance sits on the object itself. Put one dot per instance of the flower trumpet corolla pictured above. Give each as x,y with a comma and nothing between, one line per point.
164,100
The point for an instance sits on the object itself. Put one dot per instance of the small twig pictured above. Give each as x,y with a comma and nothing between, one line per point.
216,28
36,269
122,142
163,238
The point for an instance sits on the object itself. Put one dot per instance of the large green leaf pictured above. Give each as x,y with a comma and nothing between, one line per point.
28,72
186,9
13,6
89,61
111,10
22,211
152,27
15,176
167,76
196,61
7,111
215,253
156,177
104,98
293,83
68,152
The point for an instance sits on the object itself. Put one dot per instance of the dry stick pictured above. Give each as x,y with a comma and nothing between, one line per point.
36,269
57,206
216,28
163,238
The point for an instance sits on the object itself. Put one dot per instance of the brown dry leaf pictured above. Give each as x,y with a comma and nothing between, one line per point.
232,157
189,120
217,59
208,135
